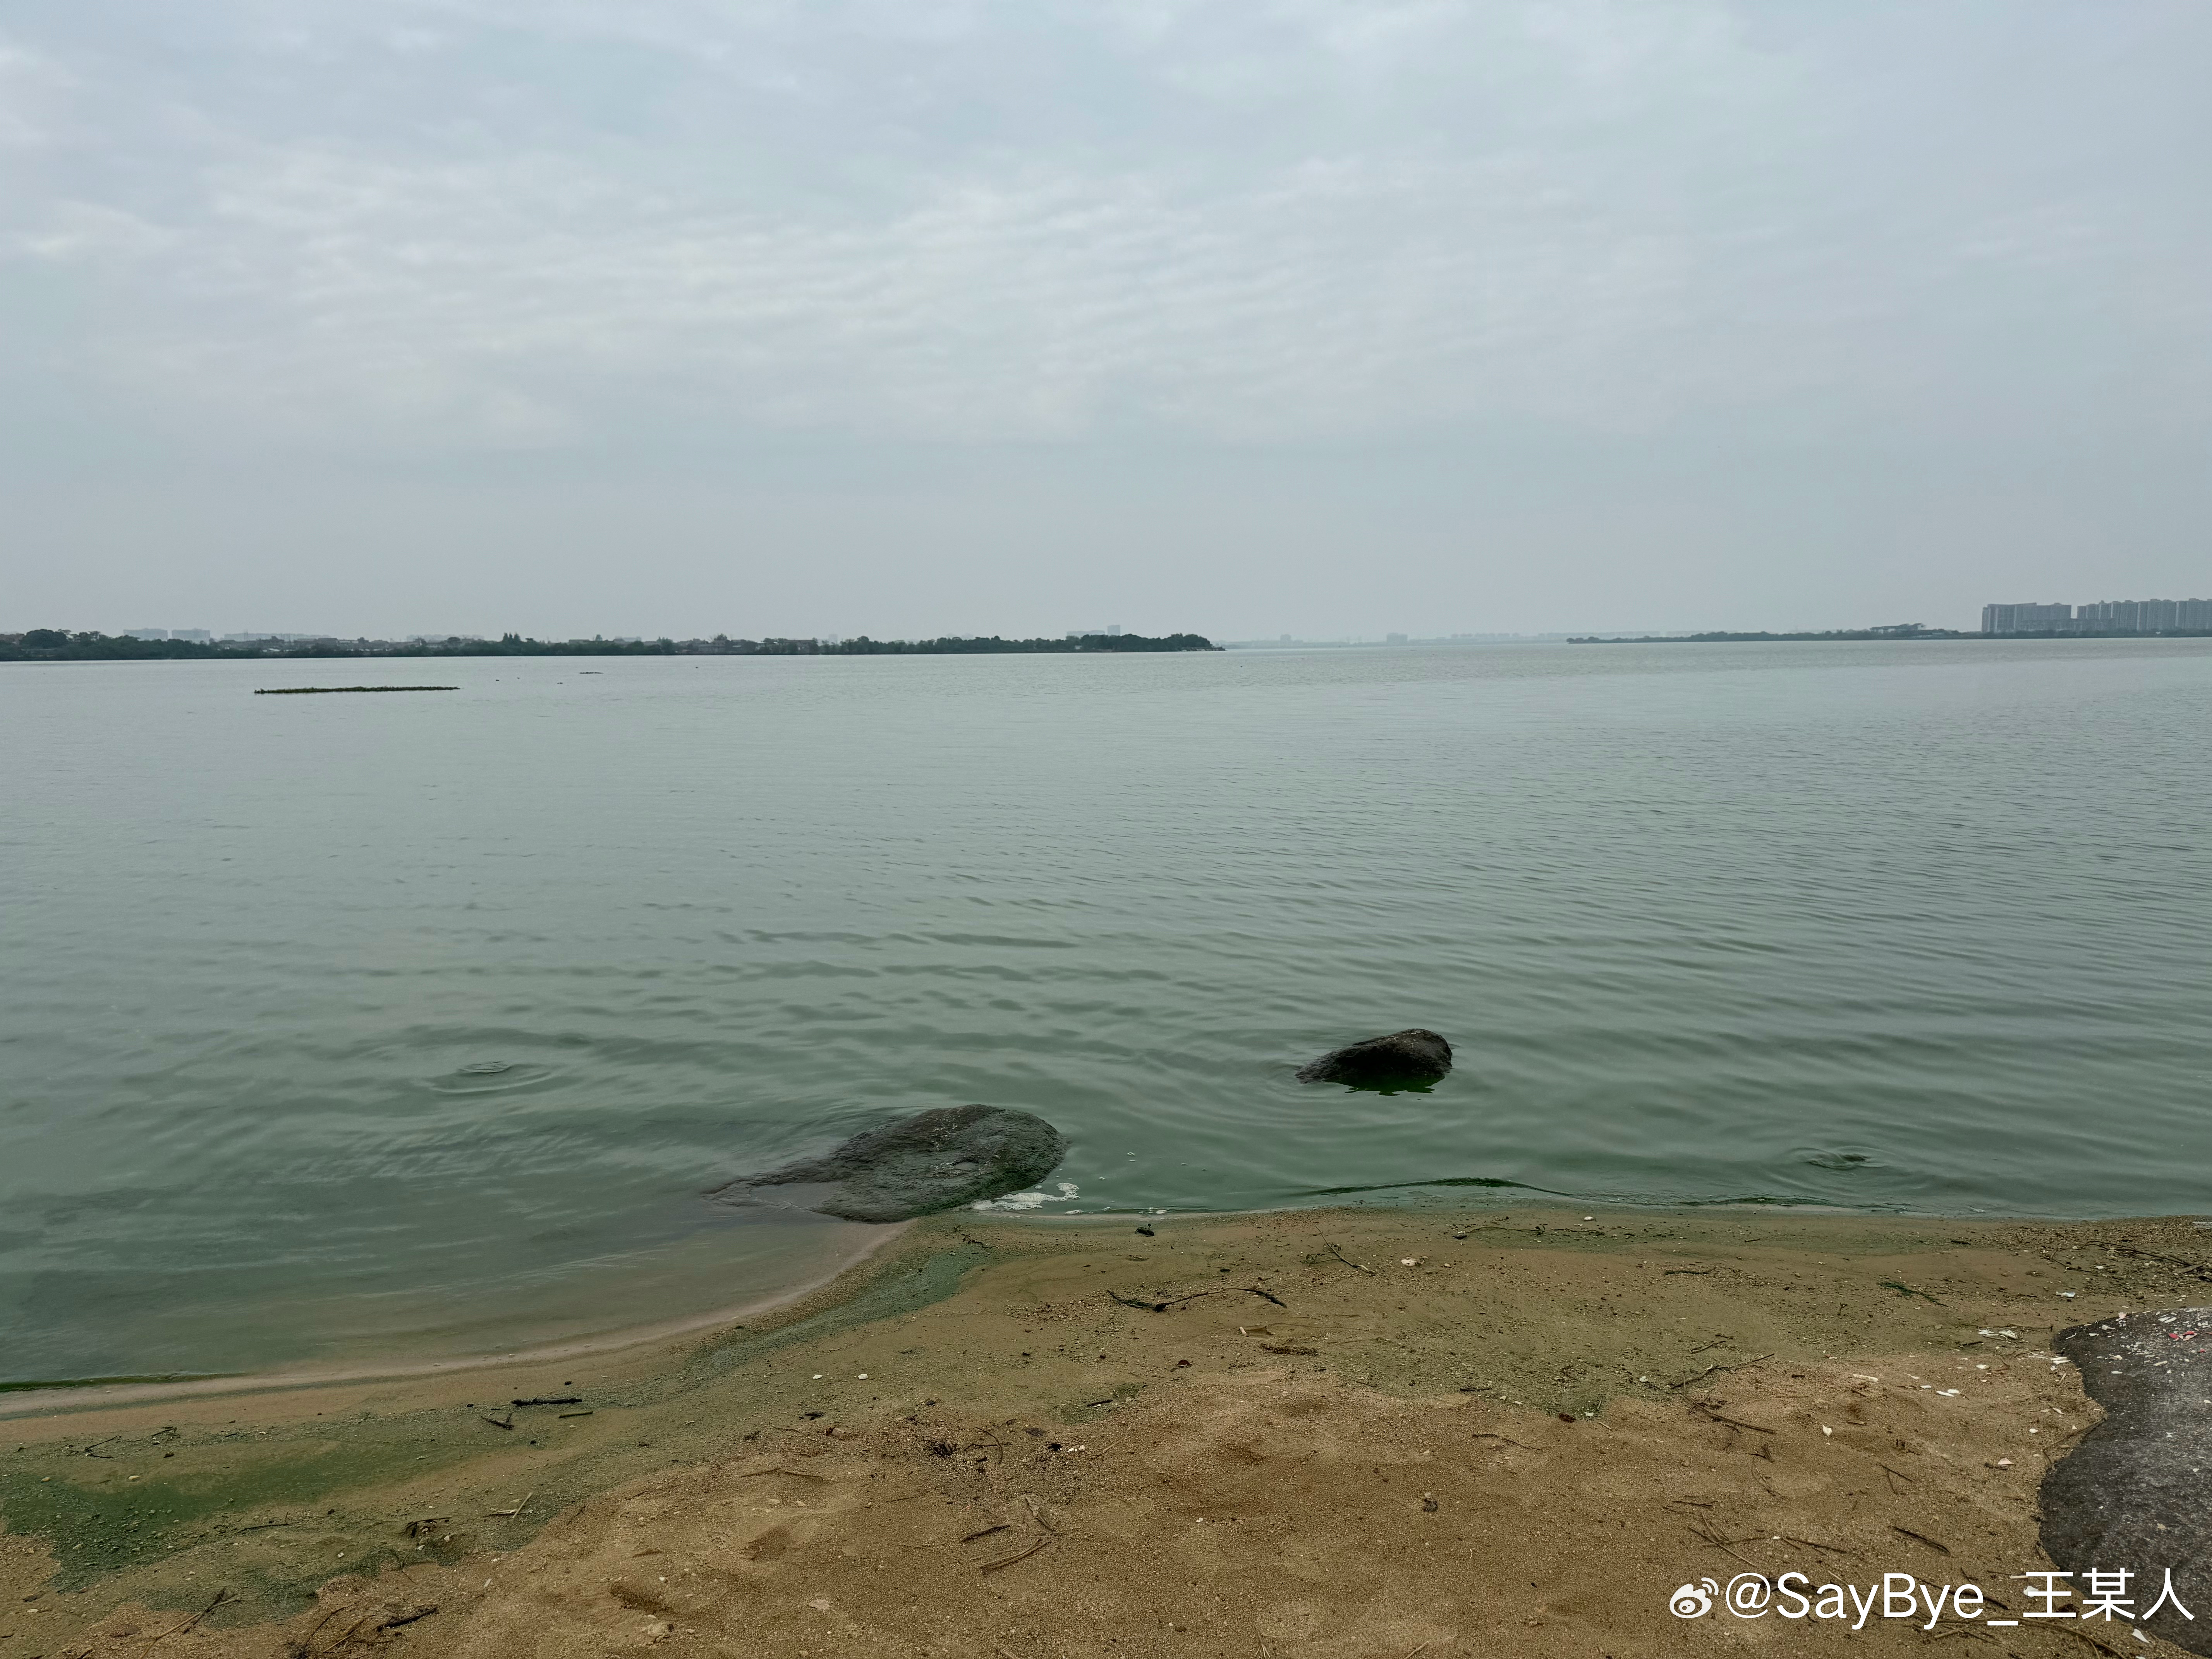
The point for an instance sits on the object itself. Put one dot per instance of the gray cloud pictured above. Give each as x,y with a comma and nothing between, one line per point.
1504,241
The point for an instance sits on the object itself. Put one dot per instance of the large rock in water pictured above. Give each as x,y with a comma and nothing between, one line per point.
2133,1494
934,1160
1403,1058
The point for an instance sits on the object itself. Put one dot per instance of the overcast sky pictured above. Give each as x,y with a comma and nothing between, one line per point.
917,316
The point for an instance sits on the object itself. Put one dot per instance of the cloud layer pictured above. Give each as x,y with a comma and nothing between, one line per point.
448,226
475,222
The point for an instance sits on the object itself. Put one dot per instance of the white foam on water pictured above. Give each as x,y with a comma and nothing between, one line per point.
1069,1192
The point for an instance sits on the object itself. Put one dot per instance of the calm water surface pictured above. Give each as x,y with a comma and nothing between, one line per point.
338,1025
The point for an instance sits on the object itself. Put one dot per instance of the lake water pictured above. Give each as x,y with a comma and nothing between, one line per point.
337,1027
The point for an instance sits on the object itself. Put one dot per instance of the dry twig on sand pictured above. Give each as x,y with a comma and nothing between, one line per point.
2197,1268
1705,1532
1020,1555
220,1596
1712,1416
300,1646
1921,1538
1348,1261
1907,1290
1155,1307
1739,1365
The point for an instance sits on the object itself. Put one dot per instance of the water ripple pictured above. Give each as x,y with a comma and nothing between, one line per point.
1913,926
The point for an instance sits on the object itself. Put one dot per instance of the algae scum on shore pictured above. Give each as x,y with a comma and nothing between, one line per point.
1318,1432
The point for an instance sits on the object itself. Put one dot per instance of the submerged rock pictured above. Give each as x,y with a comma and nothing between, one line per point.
2132,1494
1402,1059
933,1160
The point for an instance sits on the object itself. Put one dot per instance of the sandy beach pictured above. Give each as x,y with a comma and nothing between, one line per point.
1359,1433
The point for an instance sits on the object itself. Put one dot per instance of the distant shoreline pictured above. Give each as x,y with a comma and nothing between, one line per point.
103,647
1915,633
57,644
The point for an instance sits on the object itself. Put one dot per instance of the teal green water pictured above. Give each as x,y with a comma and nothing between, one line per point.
1916,926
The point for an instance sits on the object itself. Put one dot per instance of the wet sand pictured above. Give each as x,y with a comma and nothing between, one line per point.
1306,1433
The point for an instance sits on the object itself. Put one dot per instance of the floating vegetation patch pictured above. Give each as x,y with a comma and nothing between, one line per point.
108,1382
1746,1198
1842,1161
1439,1181
335,691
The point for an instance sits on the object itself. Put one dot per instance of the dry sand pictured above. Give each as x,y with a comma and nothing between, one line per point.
1374,1433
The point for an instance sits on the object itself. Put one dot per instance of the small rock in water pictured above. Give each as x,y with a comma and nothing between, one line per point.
487,1067
933,1160
1841,1161
1403,1058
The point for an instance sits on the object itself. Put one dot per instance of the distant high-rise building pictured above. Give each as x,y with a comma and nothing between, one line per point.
2025,618
2101,616
145,633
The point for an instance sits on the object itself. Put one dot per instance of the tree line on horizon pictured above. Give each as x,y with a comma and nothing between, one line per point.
61,645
